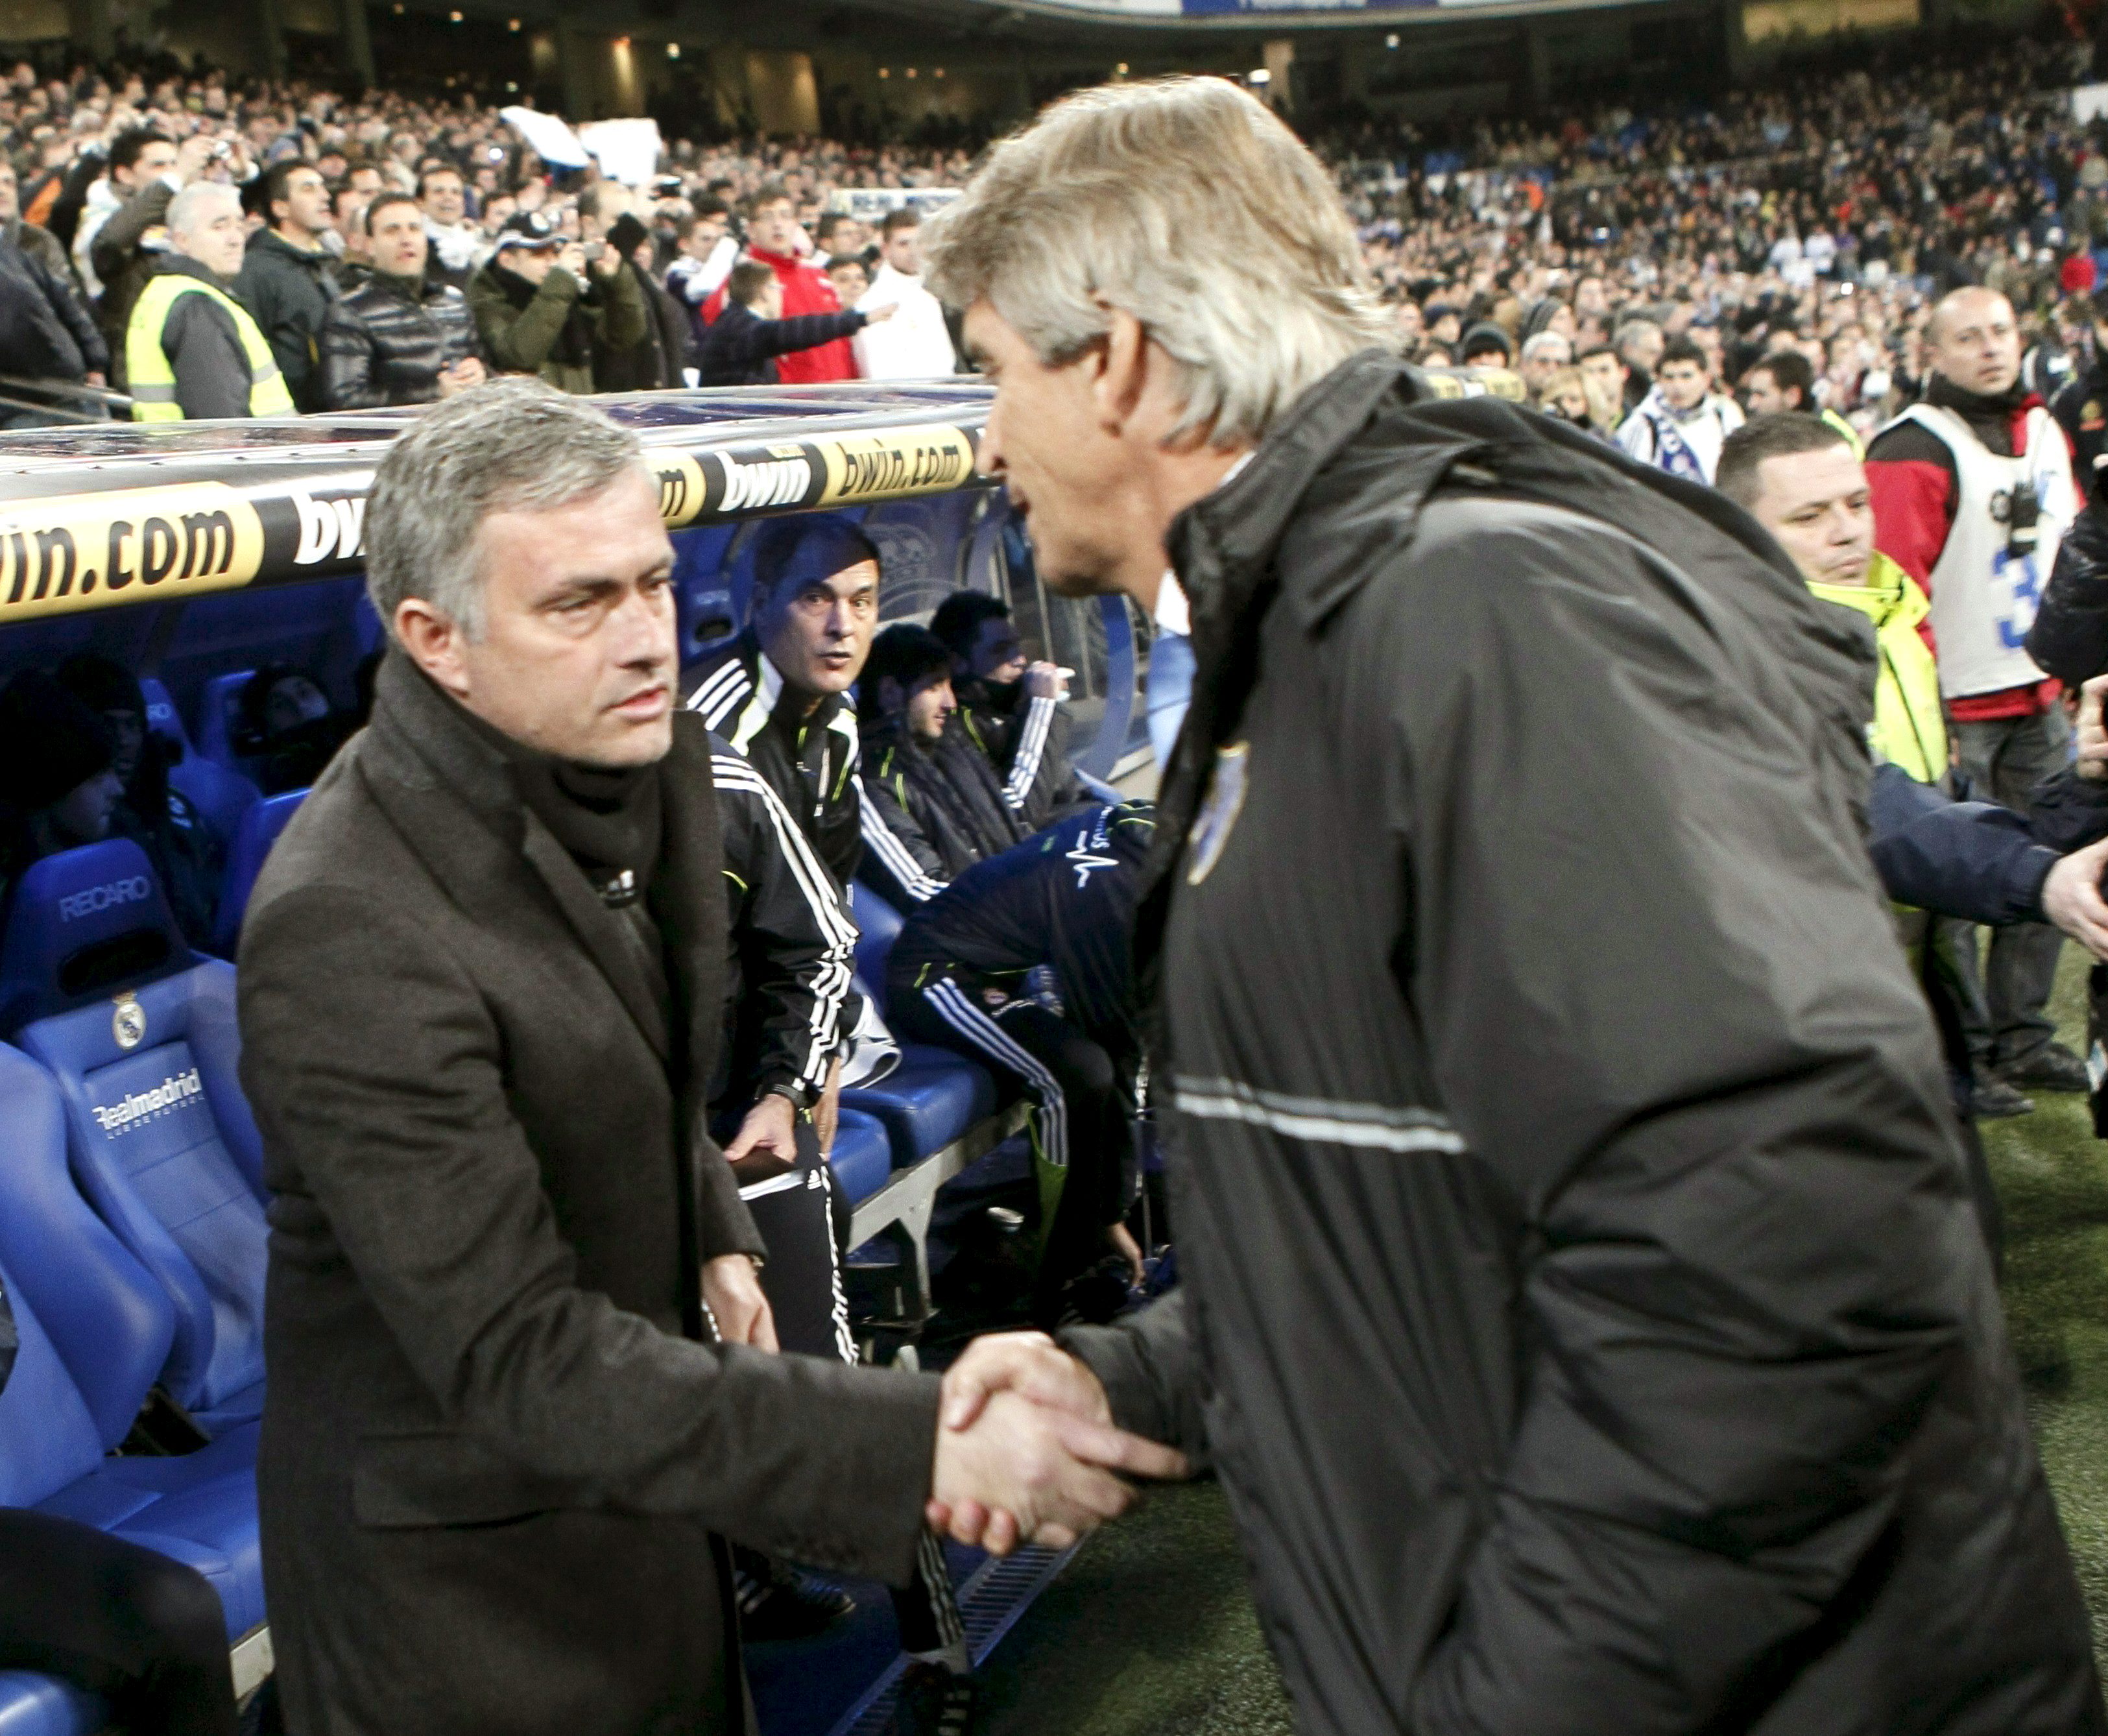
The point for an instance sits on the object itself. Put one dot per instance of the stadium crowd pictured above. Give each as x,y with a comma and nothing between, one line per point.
1864,311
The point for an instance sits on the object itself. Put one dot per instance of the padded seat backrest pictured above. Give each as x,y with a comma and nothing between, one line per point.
165,1149
81,922
252,838
878,926
163,719
217,705
220,797
47,1439
111,1322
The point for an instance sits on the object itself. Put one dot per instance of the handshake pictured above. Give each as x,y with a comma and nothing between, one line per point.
1026,1448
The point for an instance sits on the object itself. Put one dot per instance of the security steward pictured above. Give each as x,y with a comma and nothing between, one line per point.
191,350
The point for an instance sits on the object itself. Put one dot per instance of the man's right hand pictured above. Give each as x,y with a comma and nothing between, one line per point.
1043,680
572,257
1041,1476
195,157
2092,751
463,374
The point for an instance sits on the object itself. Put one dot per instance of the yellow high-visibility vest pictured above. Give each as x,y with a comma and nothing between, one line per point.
152,379
1910,724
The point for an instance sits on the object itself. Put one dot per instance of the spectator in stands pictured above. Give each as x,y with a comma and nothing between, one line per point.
1544,354
1505,1305
471,1099
932,807
139,158
955,976
284,723
1010,708
1605,374
58,788
540,308
458,246
187,857
610,231
110,1616
1973,492
347,206
1680,424
1639,343
1565,396
772,237
1783,382
191,349
777,693
915,345
662,358
850,280
397,337
1486,345
123,250
46,333
288,277
750,342
705,257
2081,408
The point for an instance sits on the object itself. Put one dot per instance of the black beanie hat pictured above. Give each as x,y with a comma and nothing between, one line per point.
51,743
626,235
100,684
1485,336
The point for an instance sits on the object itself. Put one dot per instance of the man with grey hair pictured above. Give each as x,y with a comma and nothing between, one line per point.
1582,1298
522,1387
1542,356
191,349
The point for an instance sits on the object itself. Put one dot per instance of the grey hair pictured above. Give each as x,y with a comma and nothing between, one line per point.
187,208
1188,205
511,443
1543,343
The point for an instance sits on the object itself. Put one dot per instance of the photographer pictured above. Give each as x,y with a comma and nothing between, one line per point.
542,303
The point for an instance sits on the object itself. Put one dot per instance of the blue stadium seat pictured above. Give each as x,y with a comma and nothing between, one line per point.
862,1159
252,838
39,1706
199,1507
930,1099
878,926
217,703
220,797
161,1139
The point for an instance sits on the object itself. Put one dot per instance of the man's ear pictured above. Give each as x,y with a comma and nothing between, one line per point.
434,643
1118,370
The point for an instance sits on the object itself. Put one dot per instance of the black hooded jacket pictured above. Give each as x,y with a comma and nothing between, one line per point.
930,814
1583,1302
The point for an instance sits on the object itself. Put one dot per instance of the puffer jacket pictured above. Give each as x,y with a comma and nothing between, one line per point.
387,340
1582,1302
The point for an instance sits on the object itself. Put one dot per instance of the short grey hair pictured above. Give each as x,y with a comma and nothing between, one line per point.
1546,344
1186,204
187,210
511,443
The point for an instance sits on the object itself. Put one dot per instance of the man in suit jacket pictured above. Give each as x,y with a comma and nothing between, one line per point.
520,1391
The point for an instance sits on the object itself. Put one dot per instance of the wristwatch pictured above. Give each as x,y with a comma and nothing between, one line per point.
800,1095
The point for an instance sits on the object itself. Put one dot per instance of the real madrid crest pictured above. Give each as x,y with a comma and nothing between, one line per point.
127,1022
1219,812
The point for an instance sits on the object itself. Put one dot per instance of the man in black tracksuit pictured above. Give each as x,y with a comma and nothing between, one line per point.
1011,710
956,977
932,807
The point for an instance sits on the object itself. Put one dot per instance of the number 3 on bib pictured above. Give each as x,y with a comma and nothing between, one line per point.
2017,578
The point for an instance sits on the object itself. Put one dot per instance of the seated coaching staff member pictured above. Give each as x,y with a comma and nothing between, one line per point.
1580,1294
481,999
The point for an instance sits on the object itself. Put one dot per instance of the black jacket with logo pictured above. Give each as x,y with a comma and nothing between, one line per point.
930,814
1582,1302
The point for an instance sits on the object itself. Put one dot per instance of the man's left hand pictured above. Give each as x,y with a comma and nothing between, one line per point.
2071,898
731,1290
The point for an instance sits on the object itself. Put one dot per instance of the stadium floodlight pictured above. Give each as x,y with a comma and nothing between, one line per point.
512,24
1120,70
1391,40
673,51
453,18
1258,75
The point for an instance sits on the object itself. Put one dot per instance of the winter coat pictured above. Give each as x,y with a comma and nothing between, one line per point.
288,290
2070,638
551,329
1026,740
387,340
929,812
741,348
45,331
653,361
806,289
123,262
1582,1302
